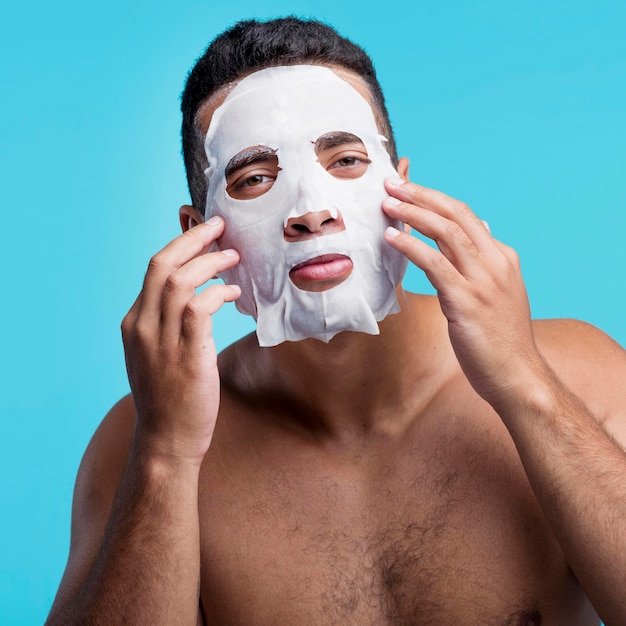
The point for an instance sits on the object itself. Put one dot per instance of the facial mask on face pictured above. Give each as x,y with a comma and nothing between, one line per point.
287,109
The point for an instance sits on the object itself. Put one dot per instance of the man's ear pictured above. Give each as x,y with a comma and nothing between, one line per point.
403,168
189,217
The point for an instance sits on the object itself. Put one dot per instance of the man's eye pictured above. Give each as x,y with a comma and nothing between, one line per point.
348,166
251,185
257,179
350,160
347,161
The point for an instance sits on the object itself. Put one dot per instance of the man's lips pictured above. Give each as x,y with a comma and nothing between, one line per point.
321,272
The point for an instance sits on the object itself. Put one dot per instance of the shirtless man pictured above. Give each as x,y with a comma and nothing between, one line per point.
463,466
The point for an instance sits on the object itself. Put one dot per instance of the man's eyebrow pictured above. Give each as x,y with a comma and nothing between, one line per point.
249,156
335,139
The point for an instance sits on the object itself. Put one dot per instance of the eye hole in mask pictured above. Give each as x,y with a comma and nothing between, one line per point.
341,154
251,172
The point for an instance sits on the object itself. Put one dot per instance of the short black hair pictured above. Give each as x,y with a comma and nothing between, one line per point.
252,45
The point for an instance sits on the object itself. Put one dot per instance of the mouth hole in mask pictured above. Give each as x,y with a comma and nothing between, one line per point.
321,273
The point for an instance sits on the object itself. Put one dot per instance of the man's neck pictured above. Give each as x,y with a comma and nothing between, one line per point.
361,384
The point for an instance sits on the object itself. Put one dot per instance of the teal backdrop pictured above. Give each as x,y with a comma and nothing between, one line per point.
517,108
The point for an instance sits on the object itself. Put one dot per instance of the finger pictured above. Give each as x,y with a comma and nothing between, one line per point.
438,202
128,323
438,269
197,324
183,282
180,286
450,238
190,244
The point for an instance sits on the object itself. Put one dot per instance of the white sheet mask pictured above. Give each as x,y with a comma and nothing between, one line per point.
287,109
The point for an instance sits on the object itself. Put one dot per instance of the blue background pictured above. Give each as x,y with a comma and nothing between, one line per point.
516,108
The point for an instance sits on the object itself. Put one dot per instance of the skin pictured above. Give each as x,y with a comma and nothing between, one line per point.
464,467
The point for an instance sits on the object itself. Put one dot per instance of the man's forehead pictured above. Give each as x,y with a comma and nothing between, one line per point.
208,108
211,104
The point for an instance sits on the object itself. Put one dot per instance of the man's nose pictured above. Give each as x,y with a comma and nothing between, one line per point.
313,213
313,224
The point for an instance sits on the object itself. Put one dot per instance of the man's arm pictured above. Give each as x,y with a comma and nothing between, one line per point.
135,549
576,468
576,463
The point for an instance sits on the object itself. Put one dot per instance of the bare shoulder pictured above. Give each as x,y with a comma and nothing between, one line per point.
591,364
571,337
96,485
104,460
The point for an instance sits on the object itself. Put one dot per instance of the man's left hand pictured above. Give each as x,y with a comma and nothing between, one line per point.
479,284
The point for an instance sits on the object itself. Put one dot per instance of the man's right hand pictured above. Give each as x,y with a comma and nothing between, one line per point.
170,353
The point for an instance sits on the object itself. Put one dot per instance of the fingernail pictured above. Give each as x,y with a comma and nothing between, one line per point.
392,232
214,221
229,252
391,201
395,181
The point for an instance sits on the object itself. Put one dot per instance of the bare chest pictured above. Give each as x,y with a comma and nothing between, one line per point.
447,538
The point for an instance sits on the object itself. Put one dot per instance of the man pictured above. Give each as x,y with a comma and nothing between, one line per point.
370,456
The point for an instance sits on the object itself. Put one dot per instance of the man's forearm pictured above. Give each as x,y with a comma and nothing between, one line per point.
147,570
144,567
578,473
